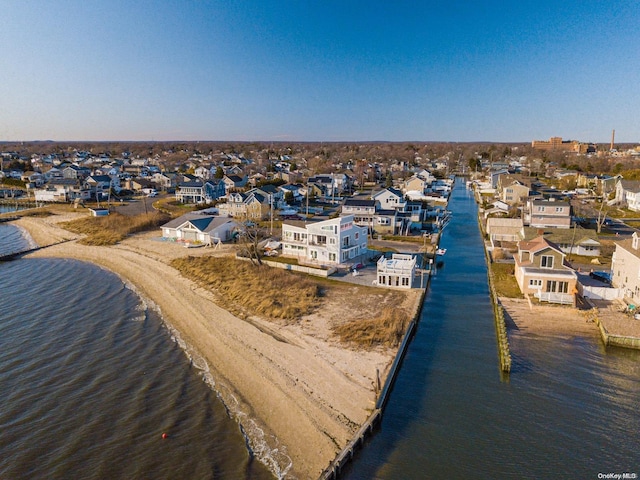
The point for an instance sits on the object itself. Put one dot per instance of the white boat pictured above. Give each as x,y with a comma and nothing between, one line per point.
441,251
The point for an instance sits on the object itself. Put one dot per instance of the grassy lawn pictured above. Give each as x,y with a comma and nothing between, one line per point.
505,281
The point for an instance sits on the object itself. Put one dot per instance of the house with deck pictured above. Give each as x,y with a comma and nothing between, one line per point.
329,242
399,271
509,230
390,198
541,271
197,191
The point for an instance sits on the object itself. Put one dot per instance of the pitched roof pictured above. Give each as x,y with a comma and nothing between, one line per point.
204,223
537,244
358,202
631,185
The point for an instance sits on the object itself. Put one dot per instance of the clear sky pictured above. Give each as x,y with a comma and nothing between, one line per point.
320,70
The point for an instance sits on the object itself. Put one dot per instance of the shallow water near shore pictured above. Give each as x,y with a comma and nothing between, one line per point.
91,379
568,409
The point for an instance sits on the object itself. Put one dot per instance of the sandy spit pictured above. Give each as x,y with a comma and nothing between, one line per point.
298,395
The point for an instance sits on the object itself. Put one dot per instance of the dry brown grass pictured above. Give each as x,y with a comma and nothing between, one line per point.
257,290
113,228
505,281
387,329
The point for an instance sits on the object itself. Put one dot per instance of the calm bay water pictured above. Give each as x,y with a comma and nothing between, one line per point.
90,379
569,408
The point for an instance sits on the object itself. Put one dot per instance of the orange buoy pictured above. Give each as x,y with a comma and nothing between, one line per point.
164,435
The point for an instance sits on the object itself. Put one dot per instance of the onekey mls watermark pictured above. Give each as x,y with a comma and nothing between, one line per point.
617,476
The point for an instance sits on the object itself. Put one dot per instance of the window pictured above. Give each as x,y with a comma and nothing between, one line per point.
405,282
546,261
535,282
557,287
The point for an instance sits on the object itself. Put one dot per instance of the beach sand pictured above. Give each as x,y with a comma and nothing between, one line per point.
547,320
298,394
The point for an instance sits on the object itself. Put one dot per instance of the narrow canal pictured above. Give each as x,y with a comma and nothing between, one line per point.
569,407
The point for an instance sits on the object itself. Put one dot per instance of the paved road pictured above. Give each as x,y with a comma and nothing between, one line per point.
136,206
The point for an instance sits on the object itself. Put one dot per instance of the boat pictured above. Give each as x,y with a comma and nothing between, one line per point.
441,251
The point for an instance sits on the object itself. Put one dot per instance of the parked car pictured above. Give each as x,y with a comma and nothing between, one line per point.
604,277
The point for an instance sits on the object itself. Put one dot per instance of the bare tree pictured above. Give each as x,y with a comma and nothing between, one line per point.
602,212
250,236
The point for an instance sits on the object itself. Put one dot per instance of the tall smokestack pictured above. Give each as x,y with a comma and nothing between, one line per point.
613,137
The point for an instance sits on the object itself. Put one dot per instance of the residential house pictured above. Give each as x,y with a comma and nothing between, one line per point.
166,180
329,242
75,173
497,208
363,211
628,194
53,172
234,182
504,230
625,268
296,196
139,184
197,191
399,271
574,241
541,270
331,185
62,190
203,172
494,176
250,205
274,195
389,221
201,228
100,185
547,213
416,183
514,193
390,198
35,179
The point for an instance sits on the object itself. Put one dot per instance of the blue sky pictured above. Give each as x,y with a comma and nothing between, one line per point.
501,71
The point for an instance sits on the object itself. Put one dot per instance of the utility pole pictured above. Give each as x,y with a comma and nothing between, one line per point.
271,211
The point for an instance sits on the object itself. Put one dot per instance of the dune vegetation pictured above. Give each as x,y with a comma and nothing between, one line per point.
251,289
113,228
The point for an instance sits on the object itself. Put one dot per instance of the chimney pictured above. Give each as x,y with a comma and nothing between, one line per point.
613,137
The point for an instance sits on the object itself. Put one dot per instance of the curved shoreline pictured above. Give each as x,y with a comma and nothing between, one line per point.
294,394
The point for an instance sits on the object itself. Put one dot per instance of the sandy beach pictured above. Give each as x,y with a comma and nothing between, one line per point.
547,320
298,394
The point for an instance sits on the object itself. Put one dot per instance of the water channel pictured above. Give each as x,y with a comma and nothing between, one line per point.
569,406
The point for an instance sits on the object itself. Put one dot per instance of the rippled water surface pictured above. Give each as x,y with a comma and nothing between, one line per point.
568,410
90,379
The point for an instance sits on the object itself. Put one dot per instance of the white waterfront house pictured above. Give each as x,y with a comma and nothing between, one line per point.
398,271
329,242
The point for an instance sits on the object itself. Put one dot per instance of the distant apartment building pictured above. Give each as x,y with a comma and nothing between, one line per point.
556,143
